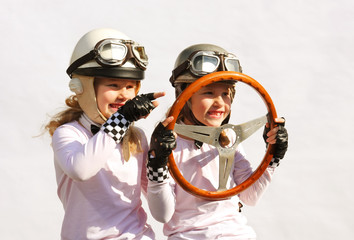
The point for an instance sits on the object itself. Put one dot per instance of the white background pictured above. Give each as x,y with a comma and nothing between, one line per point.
300,51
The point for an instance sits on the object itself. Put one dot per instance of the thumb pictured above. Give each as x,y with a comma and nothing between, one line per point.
167,121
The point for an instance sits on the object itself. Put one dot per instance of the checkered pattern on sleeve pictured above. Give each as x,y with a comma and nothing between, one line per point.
116,126
274,162
158,175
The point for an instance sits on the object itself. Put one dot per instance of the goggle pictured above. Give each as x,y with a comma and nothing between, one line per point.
201,63
113,53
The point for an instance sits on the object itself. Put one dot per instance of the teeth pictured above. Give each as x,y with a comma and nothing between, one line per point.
216,113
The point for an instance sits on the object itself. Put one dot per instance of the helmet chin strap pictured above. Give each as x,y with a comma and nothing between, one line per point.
101,115
189,116
226,120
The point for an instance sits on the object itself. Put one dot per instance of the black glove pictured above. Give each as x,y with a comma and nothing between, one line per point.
137,107
162,143
281,144
117,125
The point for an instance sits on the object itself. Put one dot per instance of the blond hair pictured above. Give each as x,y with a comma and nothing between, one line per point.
72,113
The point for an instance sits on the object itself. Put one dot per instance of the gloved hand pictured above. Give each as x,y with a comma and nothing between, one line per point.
117,125
281,142
137,107
161,145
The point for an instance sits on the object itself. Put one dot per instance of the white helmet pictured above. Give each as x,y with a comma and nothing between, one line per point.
103,52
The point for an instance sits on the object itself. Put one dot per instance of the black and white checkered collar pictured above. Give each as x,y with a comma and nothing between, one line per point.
87,122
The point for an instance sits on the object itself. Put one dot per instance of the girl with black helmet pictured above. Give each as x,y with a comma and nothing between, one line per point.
186,216
99,155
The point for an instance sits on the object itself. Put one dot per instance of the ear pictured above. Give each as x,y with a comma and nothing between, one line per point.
76,86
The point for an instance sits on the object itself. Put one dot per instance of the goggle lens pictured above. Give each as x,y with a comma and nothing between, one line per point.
139,53
232,64
112,53
205,64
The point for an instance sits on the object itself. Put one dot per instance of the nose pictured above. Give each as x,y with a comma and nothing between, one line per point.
123,94
218,101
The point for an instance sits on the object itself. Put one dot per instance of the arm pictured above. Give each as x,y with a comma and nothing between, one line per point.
243,171
277,136
79,157
161,198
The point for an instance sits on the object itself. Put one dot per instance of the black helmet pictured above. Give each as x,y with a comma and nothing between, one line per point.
197,61
201,59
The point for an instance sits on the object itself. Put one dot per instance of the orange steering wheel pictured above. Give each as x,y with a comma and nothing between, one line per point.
210,135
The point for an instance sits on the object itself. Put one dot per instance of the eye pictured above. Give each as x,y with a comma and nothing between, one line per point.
113,85
226,93
207,92
130,86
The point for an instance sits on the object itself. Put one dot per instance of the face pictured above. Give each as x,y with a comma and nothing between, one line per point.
112,93
211,104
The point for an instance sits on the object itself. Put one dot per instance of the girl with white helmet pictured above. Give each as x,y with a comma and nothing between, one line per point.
187,216
99,155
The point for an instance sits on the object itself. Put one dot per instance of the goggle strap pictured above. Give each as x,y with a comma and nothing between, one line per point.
81,61
178,70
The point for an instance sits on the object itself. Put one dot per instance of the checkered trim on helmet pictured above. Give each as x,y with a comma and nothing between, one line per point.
116,126
157,174
274,162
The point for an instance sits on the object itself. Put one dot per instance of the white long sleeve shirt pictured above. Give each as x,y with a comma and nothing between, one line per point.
99,190
190,217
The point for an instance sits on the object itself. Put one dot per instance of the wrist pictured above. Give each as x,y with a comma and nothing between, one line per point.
275,162
116,126
157,174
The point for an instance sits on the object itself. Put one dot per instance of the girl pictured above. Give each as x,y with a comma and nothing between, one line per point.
98,154
186,216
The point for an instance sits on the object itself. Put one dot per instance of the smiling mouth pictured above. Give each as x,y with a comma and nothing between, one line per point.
216,114
115,105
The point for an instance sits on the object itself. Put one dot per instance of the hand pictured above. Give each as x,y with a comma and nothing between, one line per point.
140,106
161,145
279,137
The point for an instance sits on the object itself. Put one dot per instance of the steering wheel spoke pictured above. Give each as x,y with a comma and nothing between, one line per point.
226,159
203,134
245,130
